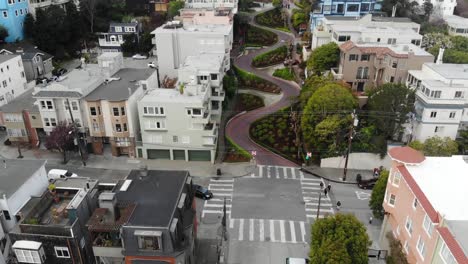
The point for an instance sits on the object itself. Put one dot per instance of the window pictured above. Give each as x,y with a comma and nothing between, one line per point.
6,214
458,94
392,200
452,115
118,128
420,246
352,8
5,14
433,114
149,110
415,203
95,127
125,127
30,256
438,129
214,77
21,11
416,42
13,117
365,57
378,39
92,111
115,111
16,132
435,94
344,38
47,105
353,57
203,78
153,124
189,111
16,12
427,224
406,246
409,225
391,41
46,122
175,139
53,122
99,110
185,139
365,7
196,111
22,74
396,178
149,242
446,255
340,8
118,29
394,64
122,110
74,105
362,73
62,252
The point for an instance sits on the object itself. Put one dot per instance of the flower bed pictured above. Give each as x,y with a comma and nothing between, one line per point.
248,80
284,73
234,153
272,18
271,57
248,102
258,37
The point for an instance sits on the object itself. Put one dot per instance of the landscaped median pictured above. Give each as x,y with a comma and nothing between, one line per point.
271,57
248,80
258,37
273,19
284,73
235,153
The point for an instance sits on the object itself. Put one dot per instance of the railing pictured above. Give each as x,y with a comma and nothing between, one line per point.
336,74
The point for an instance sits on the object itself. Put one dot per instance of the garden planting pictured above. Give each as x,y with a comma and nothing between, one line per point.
271,57
273,19
248,102
284,73
248,80
257,37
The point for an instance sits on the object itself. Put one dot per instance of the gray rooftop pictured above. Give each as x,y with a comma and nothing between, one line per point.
450,71
16,173
26,50
118,90
52,94
459,229
155,195
20,103
5,57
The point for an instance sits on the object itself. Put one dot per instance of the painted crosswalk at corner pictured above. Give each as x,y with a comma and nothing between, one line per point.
277,172
314,197
222,189
268,230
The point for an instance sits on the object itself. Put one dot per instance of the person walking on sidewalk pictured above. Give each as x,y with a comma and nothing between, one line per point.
329,187
325,191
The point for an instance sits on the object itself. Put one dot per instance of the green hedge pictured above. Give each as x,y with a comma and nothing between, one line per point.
252,81
272,18
284,73
238,148
258,37
271,57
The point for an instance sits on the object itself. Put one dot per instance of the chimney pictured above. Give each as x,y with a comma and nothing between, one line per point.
440,56
107,200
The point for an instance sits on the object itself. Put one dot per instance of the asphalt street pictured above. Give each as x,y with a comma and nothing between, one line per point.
103,175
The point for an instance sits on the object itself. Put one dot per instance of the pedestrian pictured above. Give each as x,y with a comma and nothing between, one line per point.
325,191
338,205
370,220
329,187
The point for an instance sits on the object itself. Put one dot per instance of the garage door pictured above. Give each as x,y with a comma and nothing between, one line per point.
158,154
179,154
199,155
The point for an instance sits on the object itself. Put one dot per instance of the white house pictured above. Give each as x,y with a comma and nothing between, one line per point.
112,40
226,4
441,8
457,25
441,100
12,78
366,29
174,42
54,99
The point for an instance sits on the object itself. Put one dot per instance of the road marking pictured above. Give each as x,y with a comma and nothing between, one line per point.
282,233
309,183
302,175
310,179
222,194
231,223
268,172
260,171
213,180
363,195
309,198
251,230
316,204
219,189
241,229
293,173
285,171
303,231
228,199
262,230
221,185
272,230
277,172
293,231
214,212
321,210
310,188
217,205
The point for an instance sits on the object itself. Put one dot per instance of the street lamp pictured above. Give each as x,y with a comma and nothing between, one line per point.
320,199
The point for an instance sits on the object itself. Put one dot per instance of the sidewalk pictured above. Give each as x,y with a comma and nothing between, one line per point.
336,175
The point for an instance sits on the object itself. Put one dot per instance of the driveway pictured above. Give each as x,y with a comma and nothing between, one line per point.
238,127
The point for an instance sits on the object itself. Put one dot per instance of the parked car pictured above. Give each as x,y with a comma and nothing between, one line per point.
367,184
2,128
152,65
297,261
59,71
202,192
42,80
139,57
57,174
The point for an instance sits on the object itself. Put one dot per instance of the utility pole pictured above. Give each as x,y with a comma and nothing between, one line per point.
75,132
320,199
350,140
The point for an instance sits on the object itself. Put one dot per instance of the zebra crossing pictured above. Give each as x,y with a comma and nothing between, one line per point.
310,193
221,189
277,172
268,230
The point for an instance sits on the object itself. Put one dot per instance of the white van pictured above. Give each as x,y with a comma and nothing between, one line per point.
57,174
297,261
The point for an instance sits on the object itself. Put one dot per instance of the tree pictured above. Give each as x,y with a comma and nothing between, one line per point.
397,255
339,239
3,34
324,58
311,85
174,7
130,44
28,26
462,141
145,44
88,10
61,139
428,9
441,147
277,3
417,145
405,8
389,106
75,28
378,194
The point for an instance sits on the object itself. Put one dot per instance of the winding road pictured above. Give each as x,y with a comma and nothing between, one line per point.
238,127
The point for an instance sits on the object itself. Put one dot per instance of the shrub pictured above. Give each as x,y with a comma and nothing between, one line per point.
252,81
258,37
284,73
272,18
271,57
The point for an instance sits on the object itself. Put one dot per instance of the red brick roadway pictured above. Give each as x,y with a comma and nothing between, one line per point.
238,127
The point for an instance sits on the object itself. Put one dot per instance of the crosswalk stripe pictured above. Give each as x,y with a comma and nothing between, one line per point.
316,204
309,183
214,212
222,194
301,174
272,230
251,230
293,173
221,184
260,171
310,188
217,205
231,223
321,210
219,189
213,180
293,231
285,172
262,230
241,229
228,199
277,172
302,225
282,233
311,179
268,172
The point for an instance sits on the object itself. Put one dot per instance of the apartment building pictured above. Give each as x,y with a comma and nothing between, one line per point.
22,119
52,228
60,100
147,218
366,29
35,5
3,245
423,206
112,40
369,65
12,78
175,41
146,7
441,9
441,100
112,112
12,14
204,16
227,4
341,8
457,25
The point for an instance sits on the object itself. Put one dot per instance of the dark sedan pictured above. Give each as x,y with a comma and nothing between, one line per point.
367,184
202,192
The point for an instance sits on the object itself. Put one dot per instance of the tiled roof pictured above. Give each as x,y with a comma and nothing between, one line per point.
453,245
406,155
378,51
52,94
431,212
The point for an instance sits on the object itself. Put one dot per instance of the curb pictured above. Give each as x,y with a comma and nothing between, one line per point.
325,178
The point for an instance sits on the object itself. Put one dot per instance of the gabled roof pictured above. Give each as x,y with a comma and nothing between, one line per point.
26,50
378,51
406,155
453,245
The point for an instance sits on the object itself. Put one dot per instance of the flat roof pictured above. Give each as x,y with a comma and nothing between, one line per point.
16,173
170,95
7,57
456,21
204,62
443,181
23,102
450,70
375,28
120,90
195,28
155,195
459,229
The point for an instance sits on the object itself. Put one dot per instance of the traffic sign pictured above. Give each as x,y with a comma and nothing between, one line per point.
254,153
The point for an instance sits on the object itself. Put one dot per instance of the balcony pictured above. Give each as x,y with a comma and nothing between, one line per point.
444,101
201,119
336,75
217,96
107,247
109,43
